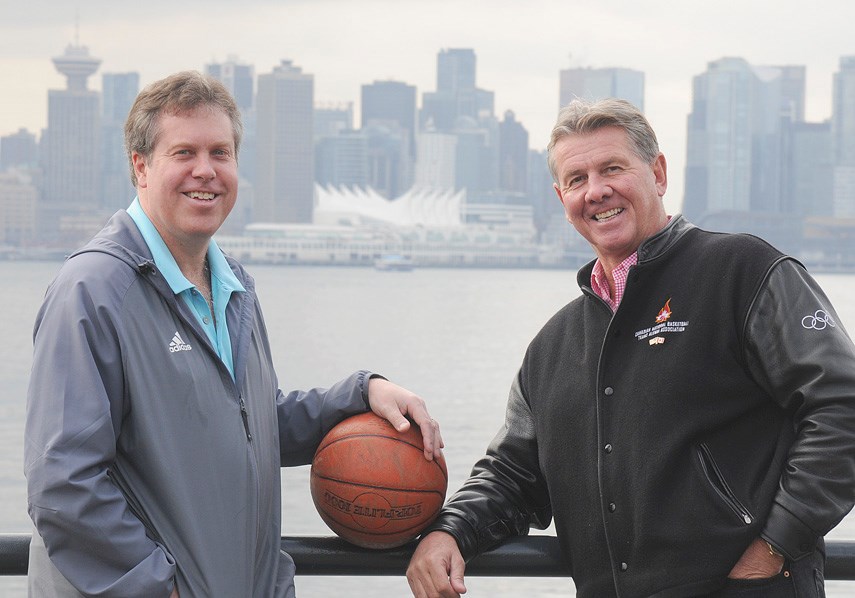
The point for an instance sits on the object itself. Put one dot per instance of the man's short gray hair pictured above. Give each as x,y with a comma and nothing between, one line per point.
582,116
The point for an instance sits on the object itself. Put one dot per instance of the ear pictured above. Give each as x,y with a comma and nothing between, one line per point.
660,172
140,169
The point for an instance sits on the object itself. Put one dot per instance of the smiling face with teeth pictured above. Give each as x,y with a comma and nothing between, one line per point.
610,195
188,185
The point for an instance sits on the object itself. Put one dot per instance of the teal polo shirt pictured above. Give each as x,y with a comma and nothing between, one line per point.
223,284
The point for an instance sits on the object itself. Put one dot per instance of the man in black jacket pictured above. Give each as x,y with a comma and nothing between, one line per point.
688,422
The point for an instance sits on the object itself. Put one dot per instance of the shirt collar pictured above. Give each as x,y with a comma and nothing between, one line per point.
166,263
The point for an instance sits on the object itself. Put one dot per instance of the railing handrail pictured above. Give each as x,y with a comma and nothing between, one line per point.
530,556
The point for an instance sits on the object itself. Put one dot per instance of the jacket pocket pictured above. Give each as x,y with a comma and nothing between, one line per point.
719,484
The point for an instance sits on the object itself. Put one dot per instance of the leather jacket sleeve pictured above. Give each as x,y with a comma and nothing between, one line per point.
505,493
798,351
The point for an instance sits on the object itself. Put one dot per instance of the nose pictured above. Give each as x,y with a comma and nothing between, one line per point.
203,168
598,189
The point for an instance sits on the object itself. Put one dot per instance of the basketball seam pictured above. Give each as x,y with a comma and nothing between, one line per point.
415,446
376,487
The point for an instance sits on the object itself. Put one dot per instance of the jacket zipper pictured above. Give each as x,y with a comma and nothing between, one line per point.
244,415
720,485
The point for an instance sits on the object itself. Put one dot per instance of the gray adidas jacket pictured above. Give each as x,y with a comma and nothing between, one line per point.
146,464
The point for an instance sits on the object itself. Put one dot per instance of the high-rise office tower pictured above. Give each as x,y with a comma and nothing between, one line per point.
71,143
238,79
332,119
341,159
739,138
389,123
843,138
809,173
391,102
458,107
456,96
598,84
284,188
68,211
19,150
513,155
119,90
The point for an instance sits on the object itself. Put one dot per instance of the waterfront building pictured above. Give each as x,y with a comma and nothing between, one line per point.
843,137
437,157
513,154
237,77
332,119
71,148
284,185
456,95
541,196
385,102
600,83
390,166
118,90
738,138
425,227
388,119
342,159
19,150
809,174
18,198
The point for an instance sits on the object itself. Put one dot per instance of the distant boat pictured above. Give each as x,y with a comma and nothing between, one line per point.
394,263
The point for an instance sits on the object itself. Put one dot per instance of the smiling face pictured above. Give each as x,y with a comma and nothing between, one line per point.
188,185
610,195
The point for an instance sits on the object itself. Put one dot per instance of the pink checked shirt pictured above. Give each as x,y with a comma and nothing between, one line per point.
600,283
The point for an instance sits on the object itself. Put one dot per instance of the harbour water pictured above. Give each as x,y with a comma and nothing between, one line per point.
455,337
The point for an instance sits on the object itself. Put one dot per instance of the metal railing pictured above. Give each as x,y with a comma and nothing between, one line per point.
530,556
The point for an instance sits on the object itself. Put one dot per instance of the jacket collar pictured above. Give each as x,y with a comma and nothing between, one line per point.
651,248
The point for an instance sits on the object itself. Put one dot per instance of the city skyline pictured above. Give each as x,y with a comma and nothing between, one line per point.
520,52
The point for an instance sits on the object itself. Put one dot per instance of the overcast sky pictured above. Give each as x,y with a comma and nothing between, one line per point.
520,47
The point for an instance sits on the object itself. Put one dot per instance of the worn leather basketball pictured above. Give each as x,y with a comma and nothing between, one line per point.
372,484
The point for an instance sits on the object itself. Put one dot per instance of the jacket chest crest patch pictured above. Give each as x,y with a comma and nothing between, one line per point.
662,325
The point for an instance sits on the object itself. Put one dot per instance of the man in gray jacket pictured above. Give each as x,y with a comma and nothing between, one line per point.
155,424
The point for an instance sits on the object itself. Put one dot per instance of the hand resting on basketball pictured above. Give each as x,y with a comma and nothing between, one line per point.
395,403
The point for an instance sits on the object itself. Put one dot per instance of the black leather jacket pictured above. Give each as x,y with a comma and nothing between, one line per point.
716,405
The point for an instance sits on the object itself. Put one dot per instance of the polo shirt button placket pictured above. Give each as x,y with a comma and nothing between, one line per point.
608,391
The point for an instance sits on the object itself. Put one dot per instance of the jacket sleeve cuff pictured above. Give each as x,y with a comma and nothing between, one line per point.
457,528
364,376
788,534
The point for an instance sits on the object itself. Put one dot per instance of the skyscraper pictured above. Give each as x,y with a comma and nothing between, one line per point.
238,79
119,90
284,189
739,135
389,123
462,109
598,84
19,150
843,138
513,155
71,143
456,94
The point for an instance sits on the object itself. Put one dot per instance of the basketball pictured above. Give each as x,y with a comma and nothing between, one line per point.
372,484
